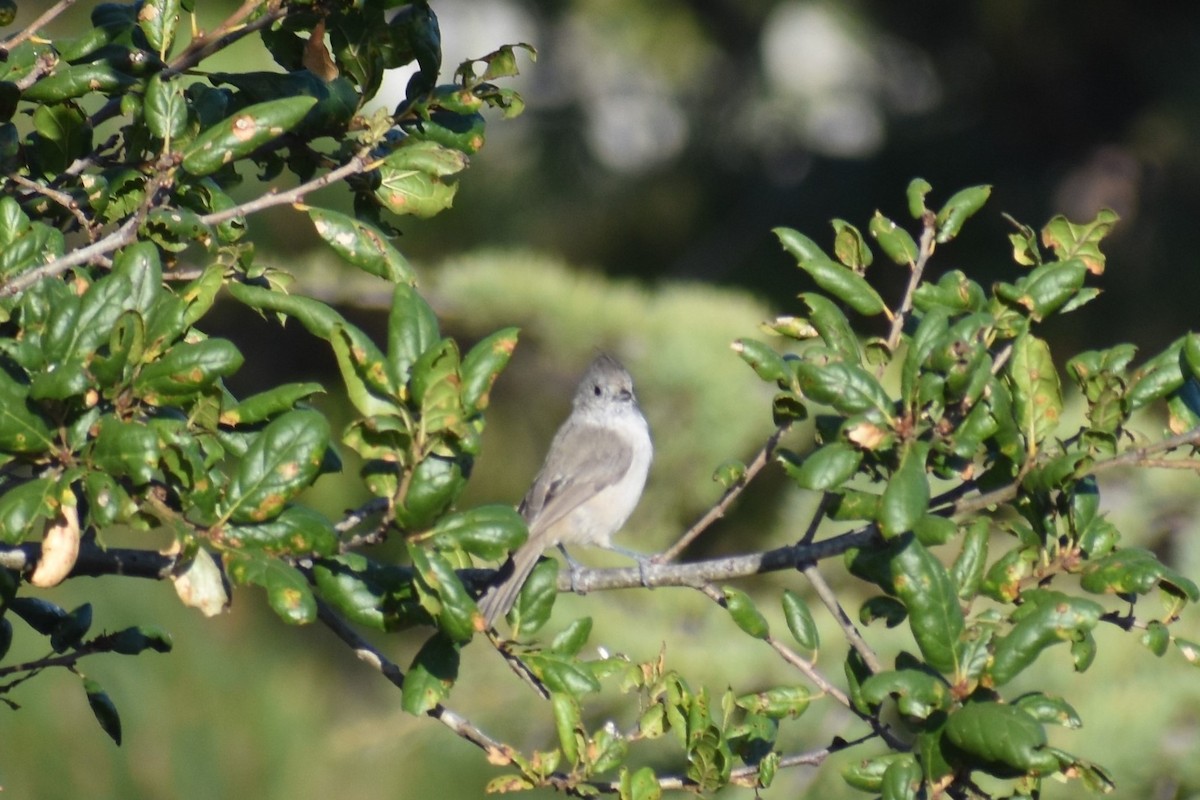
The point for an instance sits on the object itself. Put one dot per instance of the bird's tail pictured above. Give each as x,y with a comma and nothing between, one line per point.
498,599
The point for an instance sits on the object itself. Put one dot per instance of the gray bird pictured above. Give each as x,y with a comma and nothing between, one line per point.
590,482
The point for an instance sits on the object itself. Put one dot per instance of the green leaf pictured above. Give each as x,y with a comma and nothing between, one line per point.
568,721
640,785
364,373
241,134
281,461
21,429
432,674
486,531
747,617
126,449
888,609
1069,240
482,364
412,330
916,191
63,135
763,359
378,596
67,82
848,388
1049,709
69,632
1046,288
288,593
562,674
845,285
296,531
896,242
832,326
918,694
798,245
934,529
103,708
22,506
175,229
1156,638
925,588
778,703
954,292
442,594
435,484
1003,739
906,498
1047,618
800,621
132,641
571,640
269,403
967,571
867,774
317,318
1157,378
186,368
729,473
1134,570
825,468
165,108
41,615
434,385
411,179
362,245
902,780
1037,395
849,246
958,209
536,600
158,19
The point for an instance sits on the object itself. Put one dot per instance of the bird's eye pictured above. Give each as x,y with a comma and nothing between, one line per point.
596,390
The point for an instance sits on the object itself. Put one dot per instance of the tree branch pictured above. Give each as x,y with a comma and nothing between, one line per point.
717,511
925,250
32,28
830,601
354,166
369,654
225,34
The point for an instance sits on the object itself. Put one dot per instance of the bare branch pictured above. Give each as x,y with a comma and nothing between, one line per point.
830,601
62,198
809,669
30,30
369,654
354,166
225,34
925,250
731,494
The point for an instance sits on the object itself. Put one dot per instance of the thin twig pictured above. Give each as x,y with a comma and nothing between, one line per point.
830,601
717,511
1135,456
371,655
355,165
742,776
32,28
62,198
818,515
925,250
809,669
224,35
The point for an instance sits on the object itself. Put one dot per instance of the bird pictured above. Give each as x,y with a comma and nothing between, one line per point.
589,484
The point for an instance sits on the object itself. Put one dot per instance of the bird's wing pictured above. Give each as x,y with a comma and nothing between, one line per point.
577,477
